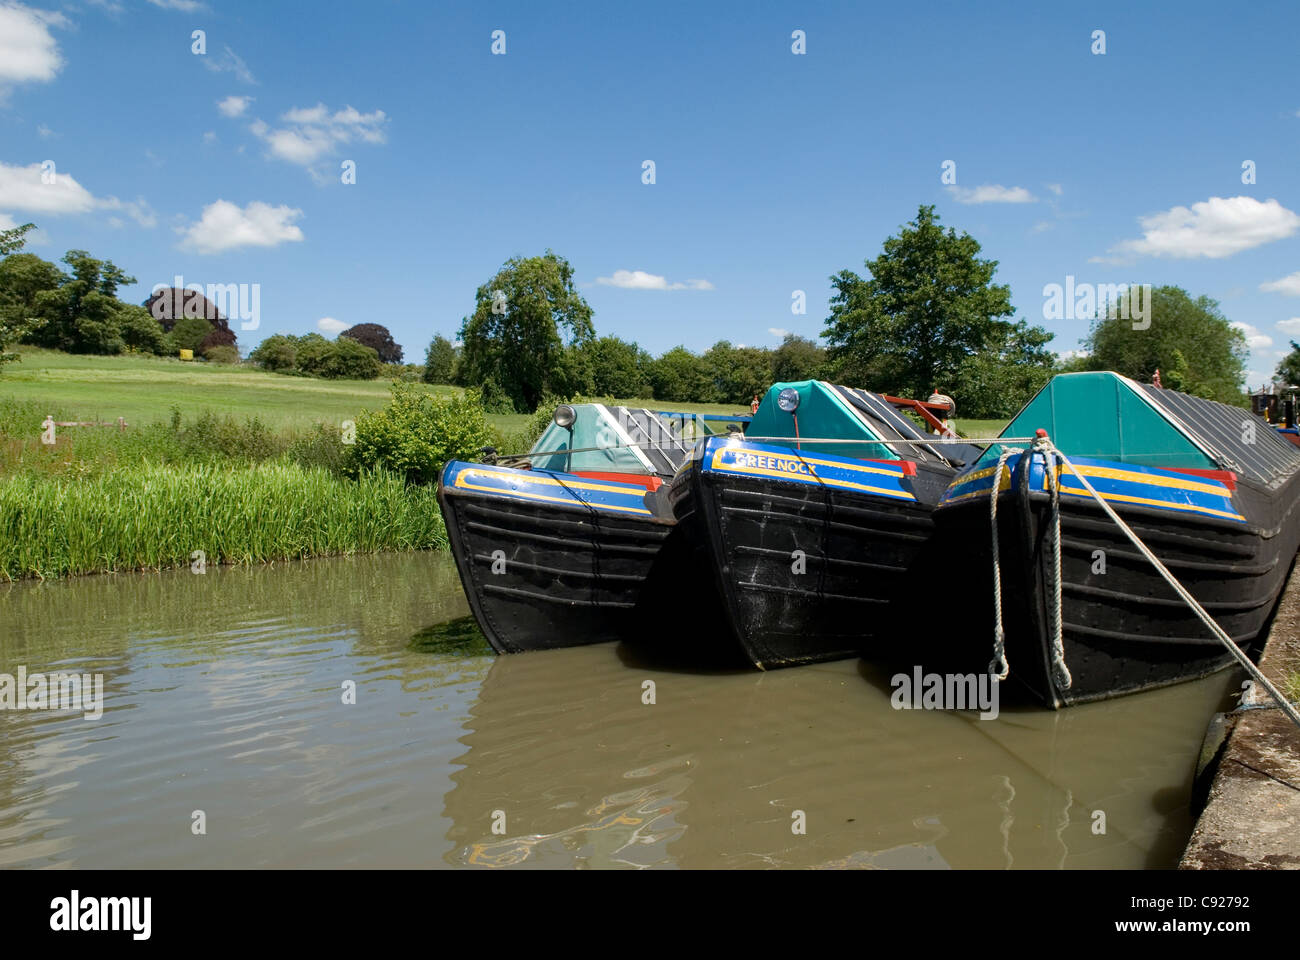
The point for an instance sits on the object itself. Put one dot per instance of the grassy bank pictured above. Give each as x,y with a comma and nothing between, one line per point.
151,516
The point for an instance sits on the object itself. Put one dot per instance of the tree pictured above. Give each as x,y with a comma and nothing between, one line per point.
23,276
618,368
377,337
1213,353
188,333
997,381
680,376
11,241
736,373
140,331
1288,371
440,361
514,334
797,359
219,338
173,303
81,316
346,359
929,305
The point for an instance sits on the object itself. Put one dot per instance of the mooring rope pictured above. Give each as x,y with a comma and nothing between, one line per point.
998,666
1060,672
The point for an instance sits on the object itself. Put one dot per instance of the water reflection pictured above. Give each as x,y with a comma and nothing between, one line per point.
227,693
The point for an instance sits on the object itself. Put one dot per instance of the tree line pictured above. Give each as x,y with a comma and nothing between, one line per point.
926,314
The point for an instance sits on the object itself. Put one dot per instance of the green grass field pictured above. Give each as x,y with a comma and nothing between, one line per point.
145,389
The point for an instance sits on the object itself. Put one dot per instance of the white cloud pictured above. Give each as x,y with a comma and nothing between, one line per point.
777,332
330,325
229,62
1056,188
1290,285
225,226
233,106
1254,339
1254,378
24,188
28,53
640,280
210,137
1214,228
1072,354
313,133
7,222
44,132
1289,326
185,6
991,193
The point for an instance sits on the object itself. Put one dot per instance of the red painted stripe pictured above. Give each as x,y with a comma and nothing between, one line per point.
1225,477
640,479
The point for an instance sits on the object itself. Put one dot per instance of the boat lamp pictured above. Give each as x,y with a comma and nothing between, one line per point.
565,415
788,399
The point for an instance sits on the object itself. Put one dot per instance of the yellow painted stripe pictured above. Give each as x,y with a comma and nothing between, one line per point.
847,484
1125,498
1110,473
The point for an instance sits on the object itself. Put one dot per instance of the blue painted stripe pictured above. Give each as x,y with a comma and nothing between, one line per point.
546,487
1118,483
764,461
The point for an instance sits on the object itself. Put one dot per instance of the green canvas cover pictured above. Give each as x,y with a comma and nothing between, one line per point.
1101,415
821,415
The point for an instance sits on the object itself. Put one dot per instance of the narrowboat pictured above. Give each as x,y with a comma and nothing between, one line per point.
1212,490
554,547
809,524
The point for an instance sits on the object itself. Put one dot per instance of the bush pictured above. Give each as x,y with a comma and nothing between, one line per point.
495,399
322,446
276,353
346,359
416,434
222,354
188,334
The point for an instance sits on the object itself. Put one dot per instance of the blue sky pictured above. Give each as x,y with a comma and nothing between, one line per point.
773,170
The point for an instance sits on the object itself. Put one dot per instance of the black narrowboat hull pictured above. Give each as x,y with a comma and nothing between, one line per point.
1124,629
541,575
804,570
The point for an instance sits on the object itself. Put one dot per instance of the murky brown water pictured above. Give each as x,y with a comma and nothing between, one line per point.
223,693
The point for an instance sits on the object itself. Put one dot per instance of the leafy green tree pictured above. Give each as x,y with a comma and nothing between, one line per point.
139,330
312,353
348,359
514,333
798,358
680,376
929,305
277,353
997,381
1288,370
440,361
1213,352
188,333
22,277
11,241
618,368
736,373
81,315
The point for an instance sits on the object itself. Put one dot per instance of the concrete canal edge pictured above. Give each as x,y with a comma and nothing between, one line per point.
1249,772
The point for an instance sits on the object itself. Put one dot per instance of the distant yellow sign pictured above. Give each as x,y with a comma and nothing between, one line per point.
187,354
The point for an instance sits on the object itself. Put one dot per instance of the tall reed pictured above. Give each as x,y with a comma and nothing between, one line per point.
147,516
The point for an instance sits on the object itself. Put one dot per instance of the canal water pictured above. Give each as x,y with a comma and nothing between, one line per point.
226,741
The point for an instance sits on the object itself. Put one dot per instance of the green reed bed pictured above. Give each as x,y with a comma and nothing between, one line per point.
147,516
